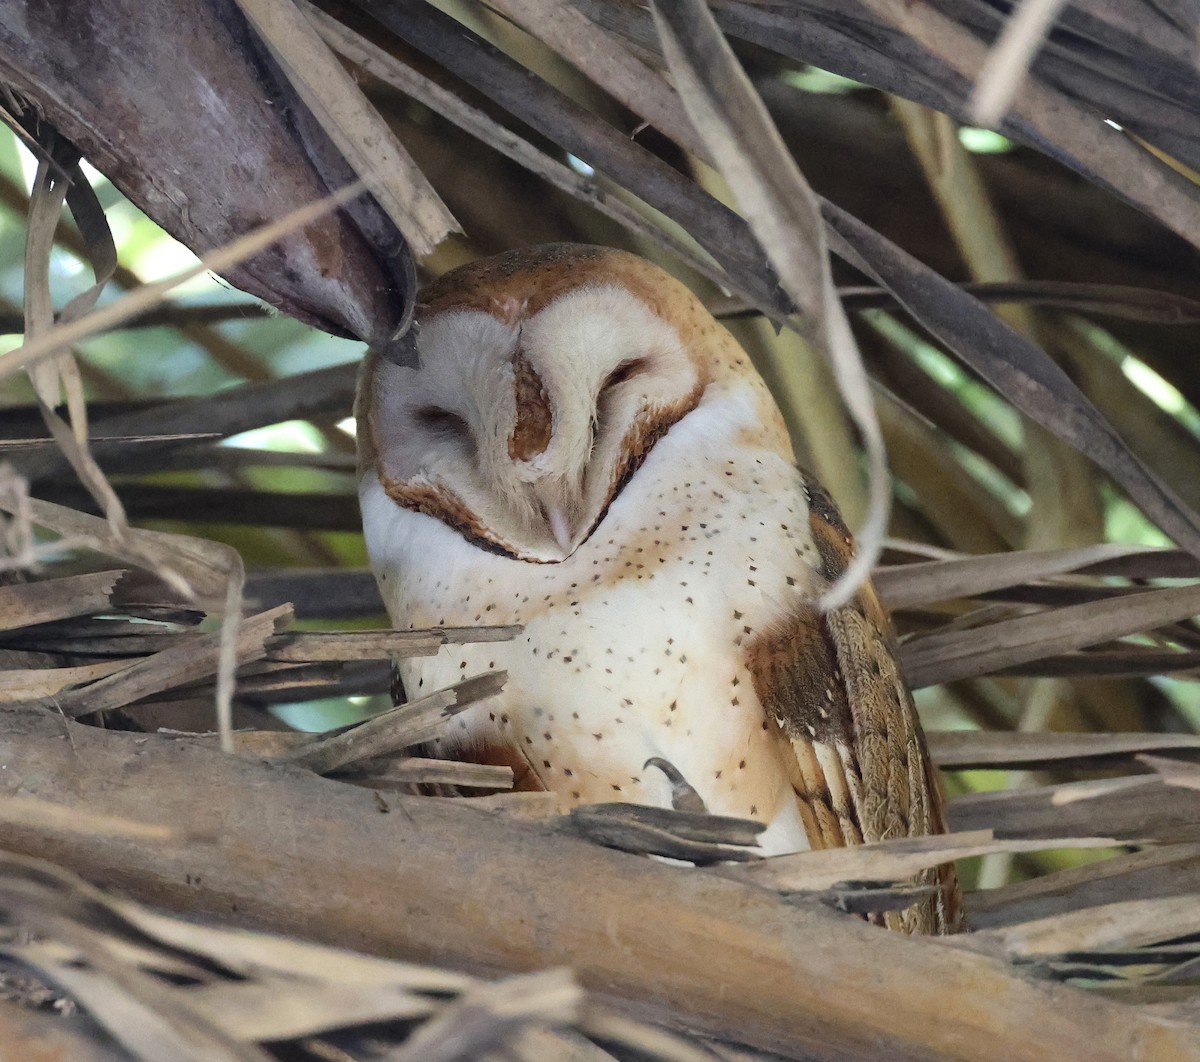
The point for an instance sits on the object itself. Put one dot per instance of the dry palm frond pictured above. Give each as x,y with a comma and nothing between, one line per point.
161,985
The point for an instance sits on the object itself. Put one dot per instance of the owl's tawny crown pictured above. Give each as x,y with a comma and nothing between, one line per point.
546,376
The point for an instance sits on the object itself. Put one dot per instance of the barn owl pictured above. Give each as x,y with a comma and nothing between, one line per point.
584,451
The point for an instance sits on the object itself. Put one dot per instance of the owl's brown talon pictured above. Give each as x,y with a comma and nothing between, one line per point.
683,796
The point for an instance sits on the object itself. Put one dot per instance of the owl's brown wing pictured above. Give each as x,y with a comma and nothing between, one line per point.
832,684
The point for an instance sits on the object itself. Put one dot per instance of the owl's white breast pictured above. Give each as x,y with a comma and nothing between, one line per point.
634,646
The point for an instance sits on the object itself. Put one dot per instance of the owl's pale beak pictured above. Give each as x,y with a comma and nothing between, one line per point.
560,527
554,502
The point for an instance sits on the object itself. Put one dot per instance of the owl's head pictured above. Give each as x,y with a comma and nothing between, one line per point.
546,375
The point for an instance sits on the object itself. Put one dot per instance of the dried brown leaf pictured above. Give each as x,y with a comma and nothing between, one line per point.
1010,57
31,684
198,658
1134,809
908,585
198,567
1106,300
26,604
945,657
1021,371
402,727
388,68
1168,870
608,1026
893,860
960,750
487,1014
141,299
361,135
1173,771
784,215
608,62
417,770
283,1008
134,1008
1116,925
255,955
379,645
1050,119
